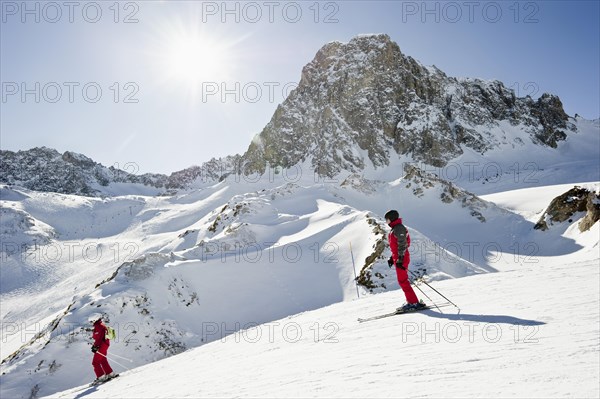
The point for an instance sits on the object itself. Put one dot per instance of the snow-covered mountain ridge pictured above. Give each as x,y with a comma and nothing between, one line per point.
361,107
45,169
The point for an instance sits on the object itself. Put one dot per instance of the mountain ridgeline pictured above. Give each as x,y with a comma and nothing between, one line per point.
367,97
45,169
358,104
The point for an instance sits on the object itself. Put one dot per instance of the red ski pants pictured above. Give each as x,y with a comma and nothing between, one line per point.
402,274
100,362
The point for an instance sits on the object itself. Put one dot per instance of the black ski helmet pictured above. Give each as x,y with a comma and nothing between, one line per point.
392,215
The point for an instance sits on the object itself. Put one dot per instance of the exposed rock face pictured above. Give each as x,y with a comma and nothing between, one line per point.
356,102
418,181
549,111
46,169
592,215
366,276
565,206
211,171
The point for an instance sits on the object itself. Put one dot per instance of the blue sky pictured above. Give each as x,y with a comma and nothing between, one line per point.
153,83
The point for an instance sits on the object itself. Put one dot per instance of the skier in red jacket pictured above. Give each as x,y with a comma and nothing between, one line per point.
399,240
100,348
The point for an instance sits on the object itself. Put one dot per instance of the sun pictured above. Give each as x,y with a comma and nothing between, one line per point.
188,54
185,55
196,58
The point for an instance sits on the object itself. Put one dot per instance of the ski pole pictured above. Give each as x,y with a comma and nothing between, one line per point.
427,296
114,361
354,268
124,358
439,293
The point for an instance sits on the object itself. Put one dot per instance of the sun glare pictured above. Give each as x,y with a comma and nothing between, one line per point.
195,59
186,55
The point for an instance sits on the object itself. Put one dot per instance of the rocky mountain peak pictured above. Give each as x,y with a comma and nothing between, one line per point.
78,159
363,102
379,49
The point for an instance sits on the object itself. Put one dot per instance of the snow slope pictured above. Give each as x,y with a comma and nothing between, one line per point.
191,286
532,202
506,169
513,164
532,332
258,257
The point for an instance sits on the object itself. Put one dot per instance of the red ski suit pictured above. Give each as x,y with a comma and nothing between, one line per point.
399,240
100,362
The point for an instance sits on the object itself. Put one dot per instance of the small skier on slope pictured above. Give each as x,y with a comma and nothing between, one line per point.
399,240
100,348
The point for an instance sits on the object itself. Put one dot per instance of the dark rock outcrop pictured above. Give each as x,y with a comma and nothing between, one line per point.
565,206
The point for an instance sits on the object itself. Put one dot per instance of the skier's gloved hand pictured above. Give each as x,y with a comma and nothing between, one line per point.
95,348
400,263
391,261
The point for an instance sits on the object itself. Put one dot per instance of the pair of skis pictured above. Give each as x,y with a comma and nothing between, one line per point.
399,312
96,383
